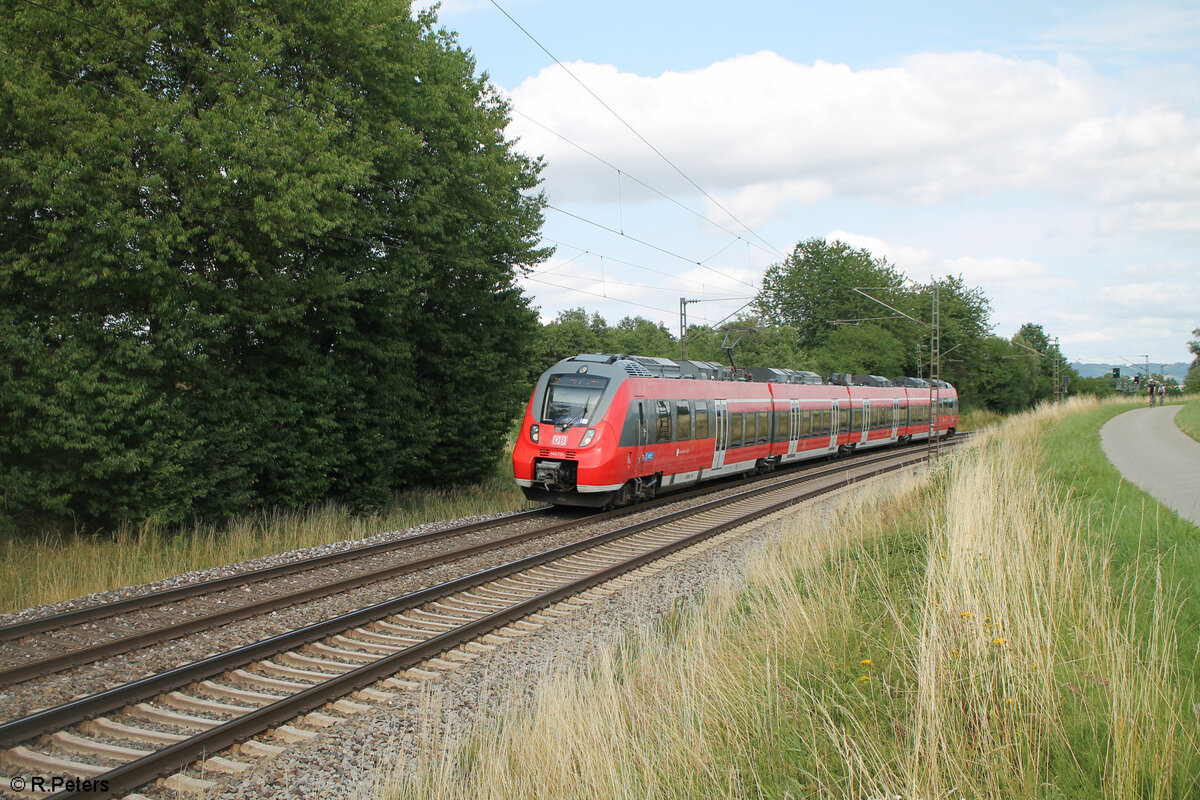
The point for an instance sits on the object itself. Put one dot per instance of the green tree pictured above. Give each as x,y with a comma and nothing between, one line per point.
572,332
963,314
1031,340
641,337
1191,381
815,286
251,254
1001,377
867,349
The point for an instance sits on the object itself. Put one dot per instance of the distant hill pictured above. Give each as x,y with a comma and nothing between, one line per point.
1177,370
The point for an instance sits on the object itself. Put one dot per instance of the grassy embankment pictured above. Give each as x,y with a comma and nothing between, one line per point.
53,567
1022,625
1188,419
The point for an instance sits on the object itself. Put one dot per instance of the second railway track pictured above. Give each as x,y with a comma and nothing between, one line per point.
151,728
47,644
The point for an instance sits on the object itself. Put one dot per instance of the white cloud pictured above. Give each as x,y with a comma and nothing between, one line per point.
906,259
1018,271
757,203
760,131
1168,298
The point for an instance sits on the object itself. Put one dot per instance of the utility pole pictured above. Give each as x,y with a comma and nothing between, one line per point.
683,304
1055,358
935,374
1058,392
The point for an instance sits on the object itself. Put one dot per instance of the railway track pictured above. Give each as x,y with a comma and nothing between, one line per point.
49,644
43,645
303,680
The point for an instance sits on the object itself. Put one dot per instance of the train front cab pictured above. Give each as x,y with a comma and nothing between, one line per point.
566,451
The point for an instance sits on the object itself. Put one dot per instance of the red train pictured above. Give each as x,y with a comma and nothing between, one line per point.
606,430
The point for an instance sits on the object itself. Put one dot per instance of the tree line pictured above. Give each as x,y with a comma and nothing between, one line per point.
809,316
251,255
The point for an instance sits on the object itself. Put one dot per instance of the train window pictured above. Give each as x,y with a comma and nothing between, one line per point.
701,419
846,423
764,427
735,430
783,427
683,420
572,399
663,411
750,425
806,422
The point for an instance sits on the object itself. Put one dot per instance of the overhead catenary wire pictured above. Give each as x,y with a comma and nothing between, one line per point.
221,74
633,130
611,282
644,243
560,243
626,175
593,294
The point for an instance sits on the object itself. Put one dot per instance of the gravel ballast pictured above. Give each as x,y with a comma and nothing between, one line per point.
350,759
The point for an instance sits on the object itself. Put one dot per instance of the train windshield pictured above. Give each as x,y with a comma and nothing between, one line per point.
573,399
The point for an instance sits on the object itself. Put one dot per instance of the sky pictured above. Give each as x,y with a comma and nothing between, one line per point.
1048,153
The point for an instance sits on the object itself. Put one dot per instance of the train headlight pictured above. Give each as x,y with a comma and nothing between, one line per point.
588,435
534,433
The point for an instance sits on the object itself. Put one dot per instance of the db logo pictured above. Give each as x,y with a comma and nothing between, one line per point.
559,440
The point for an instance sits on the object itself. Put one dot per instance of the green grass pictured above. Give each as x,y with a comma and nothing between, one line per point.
1022,625
1139,529
1188,419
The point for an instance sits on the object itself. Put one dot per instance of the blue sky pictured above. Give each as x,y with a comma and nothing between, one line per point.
1047,153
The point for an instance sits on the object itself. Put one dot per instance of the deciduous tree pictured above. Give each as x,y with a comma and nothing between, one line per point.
251,254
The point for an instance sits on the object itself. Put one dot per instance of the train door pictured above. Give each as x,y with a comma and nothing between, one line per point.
643,438
794,428
835,425
721,433
895,420
866,421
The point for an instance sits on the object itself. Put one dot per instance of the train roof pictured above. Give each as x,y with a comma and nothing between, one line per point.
654,367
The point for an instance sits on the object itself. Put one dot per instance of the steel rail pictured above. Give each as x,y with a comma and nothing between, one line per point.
128,777
94,705
17,630
44,666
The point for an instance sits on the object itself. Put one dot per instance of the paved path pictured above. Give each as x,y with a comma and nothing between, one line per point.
1150,451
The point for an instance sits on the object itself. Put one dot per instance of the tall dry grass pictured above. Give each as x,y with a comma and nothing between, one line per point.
965,636
50,568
